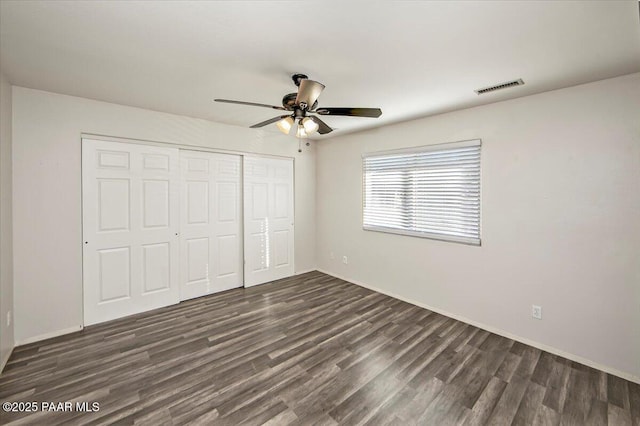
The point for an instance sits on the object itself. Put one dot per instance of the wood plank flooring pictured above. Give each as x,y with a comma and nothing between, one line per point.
311,349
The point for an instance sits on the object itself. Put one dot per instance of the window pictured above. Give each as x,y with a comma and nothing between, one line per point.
431,191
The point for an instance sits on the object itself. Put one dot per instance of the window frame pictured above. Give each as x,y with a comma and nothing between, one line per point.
427,235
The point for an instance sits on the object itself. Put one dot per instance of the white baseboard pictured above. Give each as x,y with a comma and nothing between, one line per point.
4,361
304,272
49,335
541,346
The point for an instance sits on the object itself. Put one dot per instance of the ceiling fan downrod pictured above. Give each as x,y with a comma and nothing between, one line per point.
297,78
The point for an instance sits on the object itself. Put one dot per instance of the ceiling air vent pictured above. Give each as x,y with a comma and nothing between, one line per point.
500,86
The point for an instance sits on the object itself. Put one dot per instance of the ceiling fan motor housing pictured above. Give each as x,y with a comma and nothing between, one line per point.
289,101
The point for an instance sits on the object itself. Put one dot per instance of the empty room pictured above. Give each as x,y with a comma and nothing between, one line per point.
319,212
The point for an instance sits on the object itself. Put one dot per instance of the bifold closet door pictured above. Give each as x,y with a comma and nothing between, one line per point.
130,228
211,227
268,219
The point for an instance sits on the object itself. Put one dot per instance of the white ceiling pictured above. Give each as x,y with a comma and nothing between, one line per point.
411,59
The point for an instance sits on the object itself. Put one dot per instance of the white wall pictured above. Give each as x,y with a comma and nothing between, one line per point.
560,221
47,193
6,241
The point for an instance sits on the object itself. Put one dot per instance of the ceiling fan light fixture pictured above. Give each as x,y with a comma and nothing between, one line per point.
285,125
310,126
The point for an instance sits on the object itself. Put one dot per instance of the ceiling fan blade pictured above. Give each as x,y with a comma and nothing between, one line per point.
351,112
308,92
269,121
229,101
323,128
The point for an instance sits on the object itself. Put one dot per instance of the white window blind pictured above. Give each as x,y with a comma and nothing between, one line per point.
431,192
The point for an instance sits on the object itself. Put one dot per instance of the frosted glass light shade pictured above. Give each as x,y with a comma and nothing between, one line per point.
301,133
310,126
285,125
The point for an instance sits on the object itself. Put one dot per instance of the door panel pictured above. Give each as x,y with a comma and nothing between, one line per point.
113,204
114,274
211,223
281,202
155,162
112,159
260,202
268,219
281,248
228,194
197,201
156,261
227,258
155,195
130,226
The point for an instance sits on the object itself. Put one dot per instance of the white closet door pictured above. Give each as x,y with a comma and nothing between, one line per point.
130,228
211,228
268,219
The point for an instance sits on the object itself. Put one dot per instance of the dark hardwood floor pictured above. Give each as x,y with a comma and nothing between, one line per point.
311,349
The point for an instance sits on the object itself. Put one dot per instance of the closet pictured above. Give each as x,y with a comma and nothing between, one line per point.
162,224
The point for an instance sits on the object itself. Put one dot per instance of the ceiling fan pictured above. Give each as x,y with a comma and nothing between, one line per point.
302,107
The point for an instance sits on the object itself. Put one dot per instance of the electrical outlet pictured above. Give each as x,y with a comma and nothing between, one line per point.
536,311
345,260
8,318
332,256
